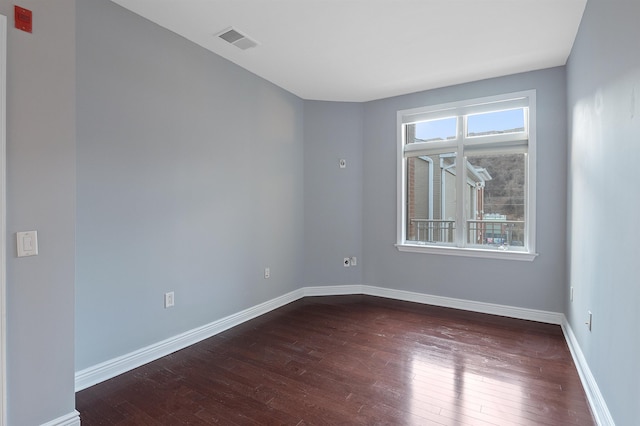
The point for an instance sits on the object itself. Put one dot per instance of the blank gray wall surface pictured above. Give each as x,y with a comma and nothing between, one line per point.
190,179
41,196
333,196
534,285
604,115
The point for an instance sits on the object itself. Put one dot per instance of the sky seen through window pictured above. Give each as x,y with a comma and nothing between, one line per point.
492,122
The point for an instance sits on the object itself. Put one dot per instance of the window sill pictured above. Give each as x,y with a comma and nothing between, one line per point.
468,252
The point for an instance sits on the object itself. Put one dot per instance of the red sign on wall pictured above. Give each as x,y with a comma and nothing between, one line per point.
23,18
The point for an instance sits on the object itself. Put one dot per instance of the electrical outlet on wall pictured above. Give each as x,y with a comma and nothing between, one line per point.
169,299
350,261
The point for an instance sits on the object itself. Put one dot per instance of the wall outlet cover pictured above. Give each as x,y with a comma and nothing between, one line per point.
27,243
169,299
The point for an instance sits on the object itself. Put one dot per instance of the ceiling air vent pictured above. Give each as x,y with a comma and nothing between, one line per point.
237,39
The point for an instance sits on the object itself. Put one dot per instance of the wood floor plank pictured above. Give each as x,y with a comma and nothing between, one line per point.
354,360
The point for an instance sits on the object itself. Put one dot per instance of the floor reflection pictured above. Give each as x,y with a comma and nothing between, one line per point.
452,390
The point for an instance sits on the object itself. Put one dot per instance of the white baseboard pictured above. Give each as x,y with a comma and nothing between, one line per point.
333,290
111,368
466,305
71,419
596,400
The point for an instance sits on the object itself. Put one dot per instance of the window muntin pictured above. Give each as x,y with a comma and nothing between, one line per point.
482,205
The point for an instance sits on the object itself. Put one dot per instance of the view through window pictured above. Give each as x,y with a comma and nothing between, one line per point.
466,175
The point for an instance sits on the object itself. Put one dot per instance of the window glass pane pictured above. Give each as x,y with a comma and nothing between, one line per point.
496,198
432,130
495,123
431,198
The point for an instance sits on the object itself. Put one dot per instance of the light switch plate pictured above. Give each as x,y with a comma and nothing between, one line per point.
27,243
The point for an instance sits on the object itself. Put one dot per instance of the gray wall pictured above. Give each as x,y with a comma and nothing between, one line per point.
333,196
604,200
41,196
535,285
189,179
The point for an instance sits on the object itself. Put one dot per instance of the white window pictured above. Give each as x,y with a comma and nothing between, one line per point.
466,178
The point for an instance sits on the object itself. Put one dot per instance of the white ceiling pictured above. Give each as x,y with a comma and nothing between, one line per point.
360,50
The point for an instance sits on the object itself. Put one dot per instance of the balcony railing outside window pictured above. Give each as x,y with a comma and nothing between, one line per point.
432,231
492,233
495,233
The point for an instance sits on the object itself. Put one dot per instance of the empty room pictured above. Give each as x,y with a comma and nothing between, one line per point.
320,212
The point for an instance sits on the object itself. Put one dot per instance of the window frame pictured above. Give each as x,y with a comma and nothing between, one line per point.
496,143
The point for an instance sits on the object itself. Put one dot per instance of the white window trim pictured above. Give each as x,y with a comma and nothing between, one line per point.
524,98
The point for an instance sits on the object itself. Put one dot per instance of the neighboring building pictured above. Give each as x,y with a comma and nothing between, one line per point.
432,197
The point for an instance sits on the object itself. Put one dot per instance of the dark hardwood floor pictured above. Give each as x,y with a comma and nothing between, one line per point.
354,360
